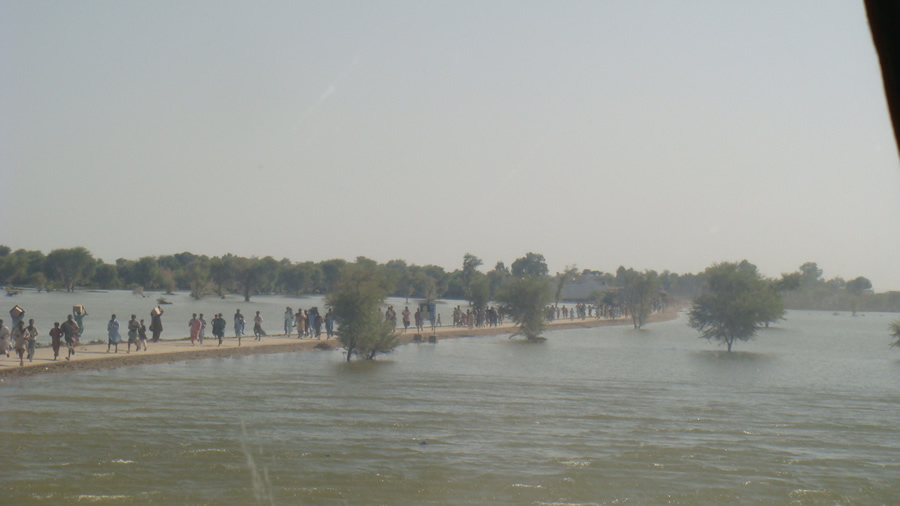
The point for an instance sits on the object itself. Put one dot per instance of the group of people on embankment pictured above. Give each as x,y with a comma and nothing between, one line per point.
21,337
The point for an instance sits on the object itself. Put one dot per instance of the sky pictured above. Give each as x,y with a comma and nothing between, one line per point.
650,134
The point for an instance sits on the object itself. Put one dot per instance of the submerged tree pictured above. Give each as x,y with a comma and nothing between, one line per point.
71,266
775,309
737,301
356,300
638,291
856,287
525,300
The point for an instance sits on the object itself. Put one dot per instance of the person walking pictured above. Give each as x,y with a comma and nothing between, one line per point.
133,329
218,327
405,315
202,327
31,333
238,325
329,323
288,321
142,335
300,323
113,336
156,325
195,326
4,339
257,326
20,338
70,334
55,339
80,313
18,316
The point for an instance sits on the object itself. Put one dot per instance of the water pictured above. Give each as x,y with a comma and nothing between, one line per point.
806,413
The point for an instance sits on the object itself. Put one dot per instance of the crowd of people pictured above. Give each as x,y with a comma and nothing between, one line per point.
478,317
21,337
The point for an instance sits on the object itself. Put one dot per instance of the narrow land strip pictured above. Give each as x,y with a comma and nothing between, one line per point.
94,356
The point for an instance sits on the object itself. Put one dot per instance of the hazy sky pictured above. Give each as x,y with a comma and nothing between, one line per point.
650,134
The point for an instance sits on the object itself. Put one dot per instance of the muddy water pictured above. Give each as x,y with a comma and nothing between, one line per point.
806,413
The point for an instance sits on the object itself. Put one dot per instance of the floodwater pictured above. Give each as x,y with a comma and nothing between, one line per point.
807,413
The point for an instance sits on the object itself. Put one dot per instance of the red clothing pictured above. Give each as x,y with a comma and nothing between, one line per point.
195,325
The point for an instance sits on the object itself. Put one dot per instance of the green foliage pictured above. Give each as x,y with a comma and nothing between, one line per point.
836,294
856,287
199,276
859,285
330,271
736,302
106,276
532,264
470,264
70,266
810,274
480,291
145,272
356,300
895,332
563,278
496,277
789,281
524,300
255,275
639,289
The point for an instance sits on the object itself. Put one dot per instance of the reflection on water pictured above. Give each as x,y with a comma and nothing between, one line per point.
806,414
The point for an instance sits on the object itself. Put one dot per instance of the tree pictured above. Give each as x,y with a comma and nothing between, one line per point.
775,309
734,304
167,280
222,273
470,264
145,272
895,332
356,301
564,278
525,300
255,275
13,268
71,266
639,289
106,275
294,279
198,276
496,277
424,285
532,264
856,287
398,275
330,272
480,291
810,275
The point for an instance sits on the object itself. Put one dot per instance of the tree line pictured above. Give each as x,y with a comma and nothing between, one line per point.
730,300
201,275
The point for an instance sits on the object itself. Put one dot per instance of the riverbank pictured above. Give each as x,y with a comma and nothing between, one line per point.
93,356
